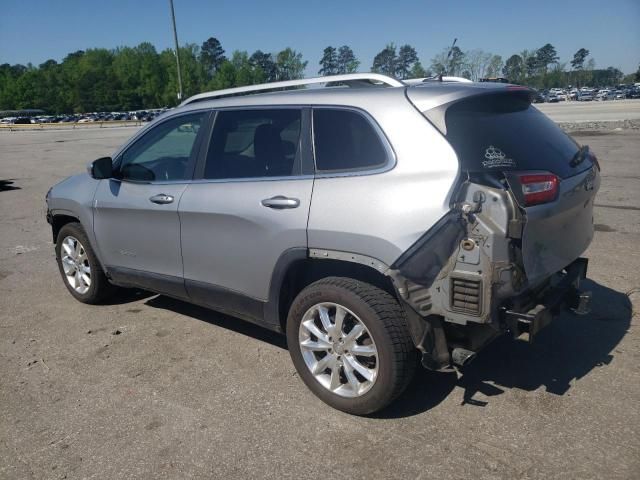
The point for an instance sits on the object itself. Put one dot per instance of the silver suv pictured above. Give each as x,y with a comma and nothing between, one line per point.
379,224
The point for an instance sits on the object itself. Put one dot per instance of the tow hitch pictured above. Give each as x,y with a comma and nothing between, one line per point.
565,294
583,306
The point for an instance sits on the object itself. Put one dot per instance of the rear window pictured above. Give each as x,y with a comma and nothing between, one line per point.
345,140
504,132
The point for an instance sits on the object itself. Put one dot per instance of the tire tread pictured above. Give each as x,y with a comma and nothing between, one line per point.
392,319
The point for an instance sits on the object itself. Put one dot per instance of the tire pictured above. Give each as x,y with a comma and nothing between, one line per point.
84,260
385,332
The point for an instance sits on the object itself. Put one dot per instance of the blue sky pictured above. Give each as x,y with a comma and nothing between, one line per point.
36,30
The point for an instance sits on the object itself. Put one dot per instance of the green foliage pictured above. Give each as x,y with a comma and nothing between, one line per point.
338,61
386,61
211,56
417,71
134,78
264,61
237,72
140,77
494,69
546,55
578,59
452,61
514,69
347,61
329,62
407,58
290,65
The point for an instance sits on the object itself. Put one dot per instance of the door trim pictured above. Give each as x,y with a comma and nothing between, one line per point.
227,301
155,282
265,314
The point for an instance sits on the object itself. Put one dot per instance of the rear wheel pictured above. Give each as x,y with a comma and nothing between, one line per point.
350,343
79,266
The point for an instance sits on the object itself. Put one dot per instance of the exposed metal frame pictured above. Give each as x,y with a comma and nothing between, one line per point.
353,78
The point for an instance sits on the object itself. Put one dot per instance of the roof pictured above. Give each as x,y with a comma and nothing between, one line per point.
352,92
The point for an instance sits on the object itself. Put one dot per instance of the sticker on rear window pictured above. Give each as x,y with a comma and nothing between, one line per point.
496,158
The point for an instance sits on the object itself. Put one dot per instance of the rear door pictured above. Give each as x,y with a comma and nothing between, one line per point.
136,222
248,205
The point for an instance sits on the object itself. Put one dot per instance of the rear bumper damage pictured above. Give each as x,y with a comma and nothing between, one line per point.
534,312
489,267
443,344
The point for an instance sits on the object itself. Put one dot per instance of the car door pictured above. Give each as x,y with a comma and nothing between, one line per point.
247,207
136,220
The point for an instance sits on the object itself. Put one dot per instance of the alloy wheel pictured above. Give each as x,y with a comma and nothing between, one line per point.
338,350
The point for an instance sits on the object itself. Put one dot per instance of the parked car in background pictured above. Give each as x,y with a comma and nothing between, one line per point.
585,96
538,97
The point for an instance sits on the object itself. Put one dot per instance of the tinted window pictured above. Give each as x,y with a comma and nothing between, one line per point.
345,140
504,132
254,143
164,152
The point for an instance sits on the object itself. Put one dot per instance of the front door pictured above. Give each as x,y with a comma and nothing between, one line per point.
136,213
249,206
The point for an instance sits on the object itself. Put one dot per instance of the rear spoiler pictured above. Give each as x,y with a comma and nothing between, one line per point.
476,96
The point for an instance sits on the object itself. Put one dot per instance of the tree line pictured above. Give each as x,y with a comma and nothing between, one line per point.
539,68
133,78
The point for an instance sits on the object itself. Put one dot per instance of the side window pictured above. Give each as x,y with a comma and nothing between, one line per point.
345,140
164,152
254,144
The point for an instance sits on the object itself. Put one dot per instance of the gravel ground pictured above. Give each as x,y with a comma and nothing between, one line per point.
149,387
595,111
598,128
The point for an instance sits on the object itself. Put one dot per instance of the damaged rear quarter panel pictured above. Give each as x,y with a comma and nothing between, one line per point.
482,271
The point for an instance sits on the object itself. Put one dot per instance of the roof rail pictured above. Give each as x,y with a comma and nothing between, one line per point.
354,78
417,81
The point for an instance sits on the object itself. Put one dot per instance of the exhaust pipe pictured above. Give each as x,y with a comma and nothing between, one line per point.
461,356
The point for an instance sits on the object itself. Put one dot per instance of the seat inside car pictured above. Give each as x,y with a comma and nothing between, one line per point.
269,151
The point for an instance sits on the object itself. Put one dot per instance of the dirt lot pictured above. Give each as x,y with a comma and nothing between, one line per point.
150,387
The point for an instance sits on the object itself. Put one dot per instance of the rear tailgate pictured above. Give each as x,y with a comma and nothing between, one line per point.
557,233
500,138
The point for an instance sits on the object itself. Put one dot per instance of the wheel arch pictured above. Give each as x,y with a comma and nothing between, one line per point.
59,220
299,267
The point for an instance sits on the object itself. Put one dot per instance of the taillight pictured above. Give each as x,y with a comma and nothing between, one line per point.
539,188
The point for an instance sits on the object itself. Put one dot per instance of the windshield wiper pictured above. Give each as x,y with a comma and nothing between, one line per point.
579,157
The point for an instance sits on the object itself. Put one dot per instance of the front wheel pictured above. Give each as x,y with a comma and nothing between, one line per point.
350,344
79,266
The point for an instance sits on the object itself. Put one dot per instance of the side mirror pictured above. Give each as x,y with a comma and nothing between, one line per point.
101,168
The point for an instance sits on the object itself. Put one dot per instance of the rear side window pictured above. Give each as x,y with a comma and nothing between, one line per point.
345,140
504,132
254,144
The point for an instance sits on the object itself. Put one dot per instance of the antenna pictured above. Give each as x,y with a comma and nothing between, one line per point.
448,57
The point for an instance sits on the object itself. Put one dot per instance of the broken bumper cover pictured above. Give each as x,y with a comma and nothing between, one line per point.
526,323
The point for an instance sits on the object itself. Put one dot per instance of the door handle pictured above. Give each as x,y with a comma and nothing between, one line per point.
279,202
162,199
